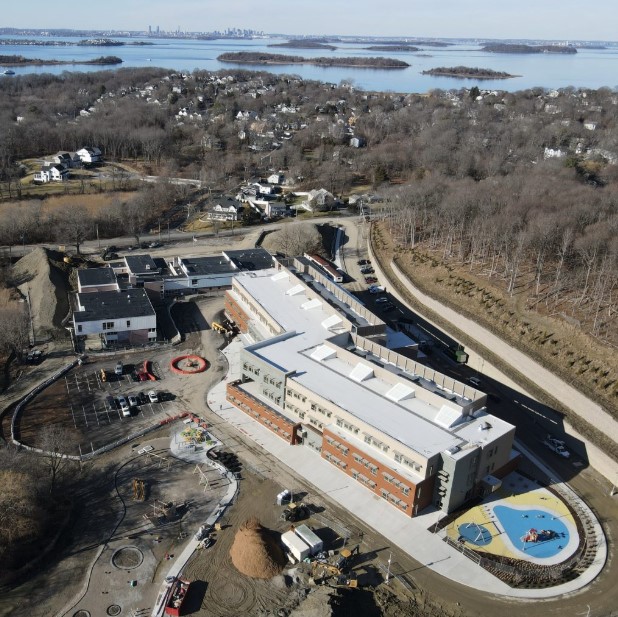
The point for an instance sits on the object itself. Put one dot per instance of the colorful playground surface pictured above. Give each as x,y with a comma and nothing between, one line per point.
520,520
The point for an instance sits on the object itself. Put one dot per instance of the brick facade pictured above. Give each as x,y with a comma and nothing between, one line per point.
262,413
377,477
236,314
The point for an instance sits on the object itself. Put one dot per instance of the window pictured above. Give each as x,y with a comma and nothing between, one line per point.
193,281
79,328
128,323
108,325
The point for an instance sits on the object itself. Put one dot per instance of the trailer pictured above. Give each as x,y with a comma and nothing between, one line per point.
296,546
316,545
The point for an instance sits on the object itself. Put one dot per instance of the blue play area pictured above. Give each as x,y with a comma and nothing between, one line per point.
534,532
475,534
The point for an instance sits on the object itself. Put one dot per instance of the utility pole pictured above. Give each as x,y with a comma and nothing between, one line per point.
98,239
168,231
388,569
31,321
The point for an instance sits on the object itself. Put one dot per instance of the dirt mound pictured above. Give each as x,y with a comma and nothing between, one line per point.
36,274
256,552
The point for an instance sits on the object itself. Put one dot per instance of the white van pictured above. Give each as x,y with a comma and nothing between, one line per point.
118,369
124,407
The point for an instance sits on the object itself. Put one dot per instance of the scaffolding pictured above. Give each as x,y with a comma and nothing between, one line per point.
203,479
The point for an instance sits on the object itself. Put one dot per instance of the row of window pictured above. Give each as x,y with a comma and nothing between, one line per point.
400,485
333,442
324,412
347,425
368,464
400,458
296,395
299,412
393,499
370,439
333,459
363,479
249,368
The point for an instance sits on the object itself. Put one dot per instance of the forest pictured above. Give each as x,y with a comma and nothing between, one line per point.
506,183
254,57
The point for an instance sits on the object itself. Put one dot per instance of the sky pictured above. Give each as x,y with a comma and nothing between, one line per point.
522,19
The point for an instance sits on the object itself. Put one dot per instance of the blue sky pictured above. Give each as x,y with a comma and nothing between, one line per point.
542,19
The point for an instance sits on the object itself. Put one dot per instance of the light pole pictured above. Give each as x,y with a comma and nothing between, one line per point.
388,569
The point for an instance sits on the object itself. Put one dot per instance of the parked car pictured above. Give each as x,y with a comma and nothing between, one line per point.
110,256
132,401
475,381
124,406
155,245
363,262
387,308
557,448
371,279
367,270
153,397
381,300
119,369
142,398
376,289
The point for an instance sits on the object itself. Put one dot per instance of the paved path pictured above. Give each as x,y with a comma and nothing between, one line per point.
409,534
552,384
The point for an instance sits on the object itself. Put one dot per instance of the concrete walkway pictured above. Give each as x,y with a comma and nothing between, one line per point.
409,534
199,457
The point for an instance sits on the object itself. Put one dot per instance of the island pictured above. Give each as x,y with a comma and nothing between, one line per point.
520,48
22,61
253,57
304,44
392,48
466,72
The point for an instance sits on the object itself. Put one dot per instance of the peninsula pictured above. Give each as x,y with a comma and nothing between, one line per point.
392,48
250,57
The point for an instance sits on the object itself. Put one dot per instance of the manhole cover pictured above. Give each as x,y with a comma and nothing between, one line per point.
127,558
82,613
114,609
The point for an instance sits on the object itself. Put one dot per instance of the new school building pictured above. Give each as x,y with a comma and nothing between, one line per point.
317,371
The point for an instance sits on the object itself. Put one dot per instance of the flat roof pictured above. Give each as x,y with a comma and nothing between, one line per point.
90,277
103,305
250,259
140,264
203,266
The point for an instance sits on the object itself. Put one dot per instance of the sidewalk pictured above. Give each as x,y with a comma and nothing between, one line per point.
409,534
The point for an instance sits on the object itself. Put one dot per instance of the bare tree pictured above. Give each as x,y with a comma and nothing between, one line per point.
296,239
54,439
73,226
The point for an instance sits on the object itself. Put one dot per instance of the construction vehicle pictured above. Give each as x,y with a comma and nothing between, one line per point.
222,328
295,512
321,571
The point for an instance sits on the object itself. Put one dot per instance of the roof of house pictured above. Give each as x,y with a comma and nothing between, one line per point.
102,305
96,276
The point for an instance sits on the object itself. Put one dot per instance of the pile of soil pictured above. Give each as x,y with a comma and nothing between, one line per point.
256,552
48,286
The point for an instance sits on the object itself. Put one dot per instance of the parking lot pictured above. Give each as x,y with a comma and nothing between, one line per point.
86,403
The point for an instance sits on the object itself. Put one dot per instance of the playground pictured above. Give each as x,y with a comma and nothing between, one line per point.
521,521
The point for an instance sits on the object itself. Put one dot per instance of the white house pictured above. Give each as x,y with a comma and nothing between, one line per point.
90,155
228,209
275,179
115,317
51,172
591,126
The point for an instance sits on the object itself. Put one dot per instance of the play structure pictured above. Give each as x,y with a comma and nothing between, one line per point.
532,535
188,365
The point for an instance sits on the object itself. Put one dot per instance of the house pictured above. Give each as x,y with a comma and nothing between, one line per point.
89,156
357,142
109,318
51,172
319,199
70,160
274,209
275,179
227,209
590,125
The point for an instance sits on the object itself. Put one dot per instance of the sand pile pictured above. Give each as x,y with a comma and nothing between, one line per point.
48,287
256,551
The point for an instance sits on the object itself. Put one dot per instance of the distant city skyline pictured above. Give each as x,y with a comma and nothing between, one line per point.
526,19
